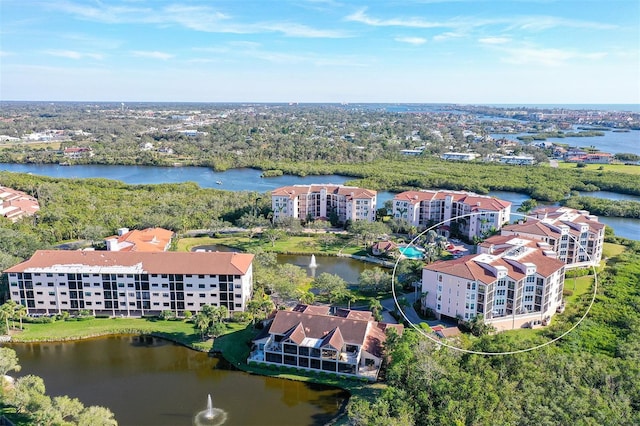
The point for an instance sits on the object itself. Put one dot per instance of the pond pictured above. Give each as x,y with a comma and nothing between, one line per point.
150,381
346,268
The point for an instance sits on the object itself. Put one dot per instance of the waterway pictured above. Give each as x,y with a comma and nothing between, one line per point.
612,142
149,381
251,180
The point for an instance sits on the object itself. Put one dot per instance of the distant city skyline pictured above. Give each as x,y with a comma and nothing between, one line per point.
405,51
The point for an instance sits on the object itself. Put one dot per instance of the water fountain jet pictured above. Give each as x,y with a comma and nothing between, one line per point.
211,416
313,263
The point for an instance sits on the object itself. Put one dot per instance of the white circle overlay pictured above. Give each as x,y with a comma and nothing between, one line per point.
468,351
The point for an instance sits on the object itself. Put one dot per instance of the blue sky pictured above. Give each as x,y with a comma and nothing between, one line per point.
463,51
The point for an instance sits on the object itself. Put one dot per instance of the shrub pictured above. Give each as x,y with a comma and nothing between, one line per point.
567,292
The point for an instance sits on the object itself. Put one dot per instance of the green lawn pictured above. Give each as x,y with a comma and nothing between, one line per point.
578,286
610,250
618,168
306,244
178,331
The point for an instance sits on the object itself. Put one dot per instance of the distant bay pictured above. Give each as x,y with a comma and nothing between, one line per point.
612,142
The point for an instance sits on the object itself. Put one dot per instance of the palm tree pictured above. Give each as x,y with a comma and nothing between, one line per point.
8,311
4,316
202,322
375,307
21,312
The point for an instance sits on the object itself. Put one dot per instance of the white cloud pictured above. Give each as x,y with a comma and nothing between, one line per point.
539,23
465,23
73,54
447,36
197,18
494,40
362,18
152,54
299,30
416,41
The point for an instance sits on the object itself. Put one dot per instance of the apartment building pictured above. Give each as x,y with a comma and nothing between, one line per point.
15,205
149,239
131,283
575,235
310,338
512,283
323,200
425,208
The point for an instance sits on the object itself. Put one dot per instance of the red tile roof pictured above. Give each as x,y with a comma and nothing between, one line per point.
351,192
333,330
479,202
470,267
213,263
149,239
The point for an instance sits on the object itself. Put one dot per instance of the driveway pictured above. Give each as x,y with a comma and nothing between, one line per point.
409,312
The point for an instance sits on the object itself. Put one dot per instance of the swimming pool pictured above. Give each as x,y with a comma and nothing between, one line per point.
411,252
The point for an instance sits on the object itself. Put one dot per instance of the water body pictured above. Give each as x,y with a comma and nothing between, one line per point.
611,142
230,180
250,180
149,381
624,227
346,268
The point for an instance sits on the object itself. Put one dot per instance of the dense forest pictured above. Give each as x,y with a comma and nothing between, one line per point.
590,377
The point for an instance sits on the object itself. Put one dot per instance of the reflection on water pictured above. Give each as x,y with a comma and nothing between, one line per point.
149,381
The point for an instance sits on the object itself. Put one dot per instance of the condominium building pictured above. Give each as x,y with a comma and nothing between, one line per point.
322,201
149,239
482,213
575,235
514,283
15,204
131,283
310,338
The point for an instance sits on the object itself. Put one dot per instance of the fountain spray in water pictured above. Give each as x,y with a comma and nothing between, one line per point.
211,416
313,263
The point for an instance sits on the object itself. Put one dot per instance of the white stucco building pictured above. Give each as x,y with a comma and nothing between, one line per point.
514,284
322,200
131,283
424,208
575,235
